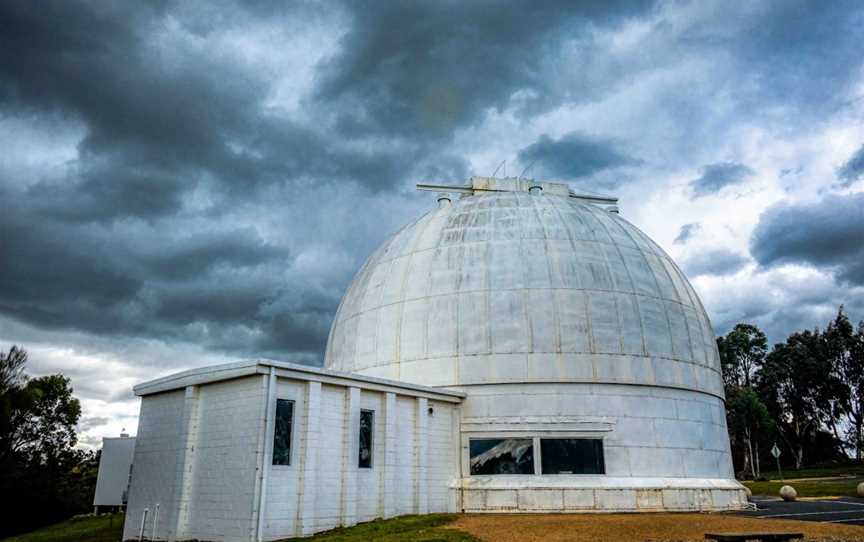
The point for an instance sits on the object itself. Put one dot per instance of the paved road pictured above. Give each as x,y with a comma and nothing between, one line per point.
847,510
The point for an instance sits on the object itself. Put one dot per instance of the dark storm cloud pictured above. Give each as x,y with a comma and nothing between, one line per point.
216,288
572,156
796,52
718,176
686,232
827,233
148,232
853,169
717,262
199,253
422,69
159,119
173,135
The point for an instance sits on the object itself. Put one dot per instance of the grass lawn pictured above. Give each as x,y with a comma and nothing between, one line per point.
815,482
431,528
92,529
817,472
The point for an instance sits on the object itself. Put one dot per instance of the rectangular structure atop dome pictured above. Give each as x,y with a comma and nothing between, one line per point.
514,184
478,185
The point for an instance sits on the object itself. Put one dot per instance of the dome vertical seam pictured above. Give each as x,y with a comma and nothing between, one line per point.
398,355
633,292
659,290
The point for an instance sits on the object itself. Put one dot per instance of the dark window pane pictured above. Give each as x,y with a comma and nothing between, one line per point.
571,456
367,425
282,433
502,456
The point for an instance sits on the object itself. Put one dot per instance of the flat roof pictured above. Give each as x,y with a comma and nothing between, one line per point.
229,371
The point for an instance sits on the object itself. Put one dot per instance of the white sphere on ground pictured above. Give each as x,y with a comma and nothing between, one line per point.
788,493
860,489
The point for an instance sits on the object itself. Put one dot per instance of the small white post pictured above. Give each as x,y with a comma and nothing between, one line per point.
155,522
143,523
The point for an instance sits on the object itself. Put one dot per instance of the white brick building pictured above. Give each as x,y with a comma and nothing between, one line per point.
204,460
524,349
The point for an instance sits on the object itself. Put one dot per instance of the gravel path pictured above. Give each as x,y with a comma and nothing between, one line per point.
636,527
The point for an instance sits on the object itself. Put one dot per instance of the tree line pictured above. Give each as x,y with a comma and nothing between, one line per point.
805,394
44,478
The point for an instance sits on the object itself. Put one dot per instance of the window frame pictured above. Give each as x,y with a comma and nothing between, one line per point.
536,436
291,438
558,437
371,439
506,437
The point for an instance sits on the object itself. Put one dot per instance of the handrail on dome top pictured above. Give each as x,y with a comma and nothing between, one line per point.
474,189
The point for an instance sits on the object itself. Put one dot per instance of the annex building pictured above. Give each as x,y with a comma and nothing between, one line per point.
521,348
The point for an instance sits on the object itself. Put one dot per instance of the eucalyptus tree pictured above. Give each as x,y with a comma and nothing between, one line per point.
793,383
845,350
742,354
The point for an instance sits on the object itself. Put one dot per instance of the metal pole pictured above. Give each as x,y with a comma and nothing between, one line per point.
155,522
778,468
143,523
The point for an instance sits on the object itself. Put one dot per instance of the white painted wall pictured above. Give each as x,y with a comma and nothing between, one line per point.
654,431
283,483
370,500
367,498
157,458
225,465
669,447
443,457
113,478
203,450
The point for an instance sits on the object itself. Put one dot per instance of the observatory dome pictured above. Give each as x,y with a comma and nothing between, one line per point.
506,286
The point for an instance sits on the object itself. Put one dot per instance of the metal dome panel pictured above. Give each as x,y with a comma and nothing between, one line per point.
512,287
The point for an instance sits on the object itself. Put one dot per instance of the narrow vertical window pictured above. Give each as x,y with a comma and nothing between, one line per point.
367,425
282,432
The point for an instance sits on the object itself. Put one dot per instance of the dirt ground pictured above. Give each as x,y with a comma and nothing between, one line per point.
635,527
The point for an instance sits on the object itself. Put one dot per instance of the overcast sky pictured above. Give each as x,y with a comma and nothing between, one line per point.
193,183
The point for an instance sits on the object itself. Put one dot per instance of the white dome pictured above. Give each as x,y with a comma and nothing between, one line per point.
510,287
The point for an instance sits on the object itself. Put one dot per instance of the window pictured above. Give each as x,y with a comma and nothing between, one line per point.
502,456
571,456
367,425
282,432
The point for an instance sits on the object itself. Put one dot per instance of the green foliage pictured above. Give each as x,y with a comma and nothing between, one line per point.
742,352
845,350
811,387
39,465
745,411
742,355
426,528
106,528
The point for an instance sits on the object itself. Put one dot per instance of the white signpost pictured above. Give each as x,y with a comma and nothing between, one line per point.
775,451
